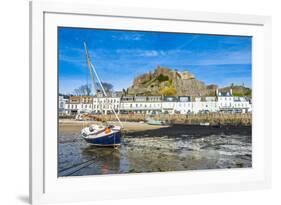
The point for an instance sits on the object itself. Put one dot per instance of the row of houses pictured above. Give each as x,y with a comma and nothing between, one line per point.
222,102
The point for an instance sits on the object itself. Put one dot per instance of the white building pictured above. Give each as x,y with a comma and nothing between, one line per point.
241,104
169,104
62,101
105,104
77,104
198,105
223,102
80,104
205,104
211,104
183,105
141,104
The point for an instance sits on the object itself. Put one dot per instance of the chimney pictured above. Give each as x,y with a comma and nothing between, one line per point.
230,91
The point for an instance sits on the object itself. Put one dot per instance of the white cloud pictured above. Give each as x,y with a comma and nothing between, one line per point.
149,53
128,37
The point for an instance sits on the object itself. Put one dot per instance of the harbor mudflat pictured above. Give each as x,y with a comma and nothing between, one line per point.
148,148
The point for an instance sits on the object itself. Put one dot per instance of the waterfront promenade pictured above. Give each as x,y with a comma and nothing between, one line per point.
191,119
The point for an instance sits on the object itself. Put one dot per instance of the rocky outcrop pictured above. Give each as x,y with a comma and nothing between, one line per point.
165,81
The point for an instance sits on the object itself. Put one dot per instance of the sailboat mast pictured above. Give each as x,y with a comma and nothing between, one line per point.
89,66
92,68
103,90
92,75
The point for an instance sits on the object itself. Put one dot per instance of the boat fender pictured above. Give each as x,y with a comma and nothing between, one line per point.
107,130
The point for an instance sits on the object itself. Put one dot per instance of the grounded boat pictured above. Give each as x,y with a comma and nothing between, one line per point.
155,122
100,135
97,134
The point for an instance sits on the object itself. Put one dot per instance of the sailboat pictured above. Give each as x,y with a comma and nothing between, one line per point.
101,134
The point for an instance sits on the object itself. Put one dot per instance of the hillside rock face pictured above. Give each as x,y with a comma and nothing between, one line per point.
238,90
165,81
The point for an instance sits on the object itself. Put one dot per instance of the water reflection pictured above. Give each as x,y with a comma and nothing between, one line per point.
106,159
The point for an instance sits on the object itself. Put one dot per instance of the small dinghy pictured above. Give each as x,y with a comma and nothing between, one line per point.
152,121
155,122
204,124
101,134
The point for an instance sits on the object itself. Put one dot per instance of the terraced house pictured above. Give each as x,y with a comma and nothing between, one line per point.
222,102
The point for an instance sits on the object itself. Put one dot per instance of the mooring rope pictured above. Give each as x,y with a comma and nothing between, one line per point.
65,171
77,167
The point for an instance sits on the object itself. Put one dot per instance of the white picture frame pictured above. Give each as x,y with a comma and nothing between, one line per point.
46,187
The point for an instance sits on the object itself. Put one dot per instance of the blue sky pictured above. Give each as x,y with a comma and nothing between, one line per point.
119,56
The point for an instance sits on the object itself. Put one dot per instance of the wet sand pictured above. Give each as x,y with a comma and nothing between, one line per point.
144,129
72,126
151,148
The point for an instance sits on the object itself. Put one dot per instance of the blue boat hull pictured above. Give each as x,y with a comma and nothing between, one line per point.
113,139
